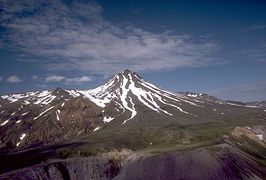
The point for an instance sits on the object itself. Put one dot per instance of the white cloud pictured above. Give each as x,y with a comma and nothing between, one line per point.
76,80
79,79
34,77
77,37
13,79
254,27
54,78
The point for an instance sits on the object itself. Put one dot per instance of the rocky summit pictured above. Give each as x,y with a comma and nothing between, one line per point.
129,128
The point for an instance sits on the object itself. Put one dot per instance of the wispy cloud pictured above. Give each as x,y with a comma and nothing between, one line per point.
254,27
13,79
1,78
76,36
54,78
242,92
34,77
79,80
75,80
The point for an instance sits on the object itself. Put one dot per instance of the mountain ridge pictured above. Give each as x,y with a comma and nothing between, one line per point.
129,113
125,97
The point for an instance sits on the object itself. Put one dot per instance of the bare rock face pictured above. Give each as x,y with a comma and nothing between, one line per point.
222,162
195,164
254,135
75,168
51,123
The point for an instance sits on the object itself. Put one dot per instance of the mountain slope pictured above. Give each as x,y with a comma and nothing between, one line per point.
43,117
127,112
26,118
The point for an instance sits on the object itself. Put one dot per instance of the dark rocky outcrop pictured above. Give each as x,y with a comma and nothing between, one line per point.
218,162
225,163
74,168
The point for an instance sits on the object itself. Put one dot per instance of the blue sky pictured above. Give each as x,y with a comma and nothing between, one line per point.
217,47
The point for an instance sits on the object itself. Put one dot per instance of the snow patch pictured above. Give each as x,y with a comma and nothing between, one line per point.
120,106
233,104
143,96
157,90
4,123
43,113
192,95
123,99
26,102
96,129
19,121
63,104
57,112
25,113
107,120
73,93
93,96
21,138
259,136
180,109
45,100
14,97
252,106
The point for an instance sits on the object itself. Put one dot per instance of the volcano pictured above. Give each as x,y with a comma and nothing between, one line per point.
129,114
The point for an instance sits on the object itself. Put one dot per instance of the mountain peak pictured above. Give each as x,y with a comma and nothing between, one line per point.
130,75
127,72
59,91
127,91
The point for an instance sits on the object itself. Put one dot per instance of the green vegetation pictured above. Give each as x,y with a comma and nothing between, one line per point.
210,132
153,139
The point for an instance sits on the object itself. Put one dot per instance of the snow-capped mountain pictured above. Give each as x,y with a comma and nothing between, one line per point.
53,116
131,114
128,93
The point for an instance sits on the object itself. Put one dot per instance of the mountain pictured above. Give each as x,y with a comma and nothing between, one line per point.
257,104
129,114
